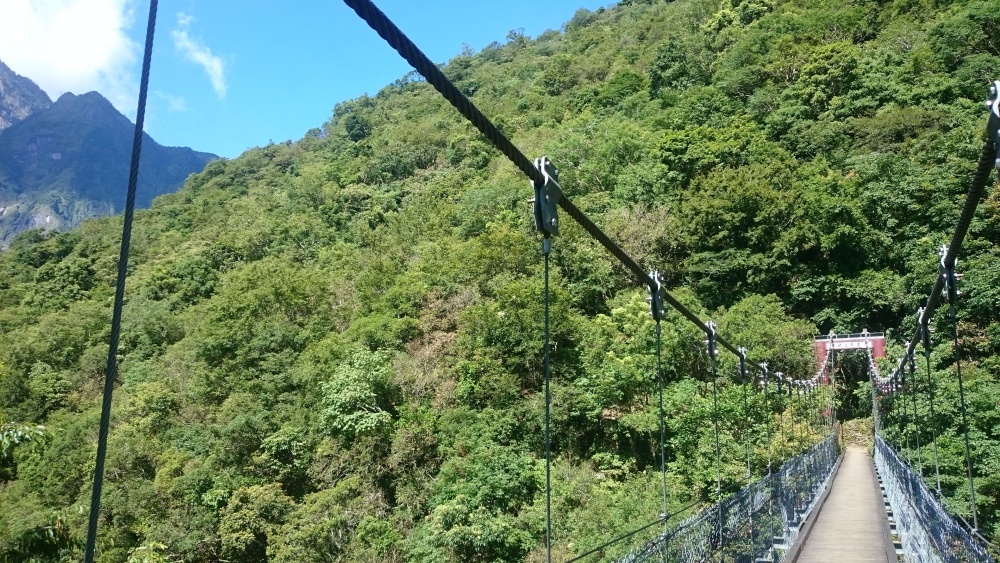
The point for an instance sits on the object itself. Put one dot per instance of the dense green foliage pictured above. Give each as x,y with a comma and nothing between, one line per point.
331,348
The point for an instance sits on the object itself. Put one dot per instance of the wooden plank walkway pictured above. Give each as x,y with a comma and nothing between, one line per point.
852,524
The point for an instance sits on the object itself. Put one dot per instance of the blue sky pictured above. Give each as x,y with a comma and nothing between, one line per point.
231,75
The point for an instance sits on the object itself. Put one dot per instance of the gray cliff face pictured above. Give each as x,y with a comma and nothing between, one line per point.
19,97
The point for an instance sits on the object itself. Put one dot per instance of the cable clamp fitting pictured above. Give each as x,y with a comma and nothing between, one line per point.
950,278
547,196
924,328
743,364
993,124
657,296
713,351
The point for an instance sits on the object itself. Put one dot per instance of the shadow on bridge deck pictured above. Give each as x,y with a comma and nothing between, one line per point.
852,524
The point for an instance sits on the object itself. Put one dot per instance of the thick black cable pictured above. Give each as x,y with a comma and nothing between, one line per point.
987,160
396,39
663,434
965,416
116,318
664,518
546,250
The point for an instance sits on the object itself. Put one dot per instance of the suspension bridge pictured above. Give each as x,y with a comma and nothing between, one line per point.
830,502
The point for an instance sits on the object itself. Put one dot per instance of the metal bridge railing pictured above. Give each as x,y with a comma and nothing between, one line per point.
928,533
756,523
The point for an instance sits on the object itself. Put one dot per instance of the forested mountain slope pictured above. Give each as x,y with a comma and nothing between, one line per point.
332,348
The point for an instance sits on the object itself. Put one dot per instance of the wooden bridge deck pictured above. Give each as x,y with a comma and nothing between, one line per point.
852,524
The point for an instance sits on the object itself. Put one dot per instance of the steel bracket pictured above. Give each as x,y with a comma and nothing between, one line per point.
993,124
547,196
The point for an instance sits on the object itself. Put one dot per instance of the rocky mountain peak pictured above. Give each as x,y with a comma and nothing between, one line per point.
19,97
63,162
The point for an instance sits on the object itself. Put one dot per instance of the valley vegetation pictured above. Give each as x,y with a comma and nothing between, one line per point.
331,348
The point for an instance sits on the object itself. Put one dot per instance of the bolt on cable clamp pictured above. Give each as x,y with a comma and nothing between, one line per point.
950,278
547,196
743,363
924,328
713,351
763,374
657,296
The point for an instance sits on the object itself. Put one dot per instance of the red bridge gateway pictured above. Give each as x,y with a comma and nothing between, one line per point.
864,340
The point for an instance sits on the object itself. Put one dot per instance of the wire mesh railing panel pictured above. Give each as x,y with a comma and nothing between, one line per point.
928,533
746,526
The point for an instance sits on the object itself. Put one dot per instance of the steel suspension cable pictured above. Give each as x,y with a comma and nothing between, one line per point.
609,543
807,393
663,435
116,317
770,418
746,416
916,425
926,340
746,407
947,280
817,411
831,384
402,44
796,410
965,416
987,161
832,378
546,251
903,426
781,415
816,415
715,420
774,482
876,399
408,50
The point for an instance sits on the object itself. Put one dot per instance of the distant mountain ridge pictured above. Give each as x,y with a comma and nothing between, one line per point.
63,162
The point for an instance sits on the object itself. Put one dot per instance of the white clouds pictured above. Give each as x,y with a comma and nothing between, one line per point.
72,46
174,103
198,53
